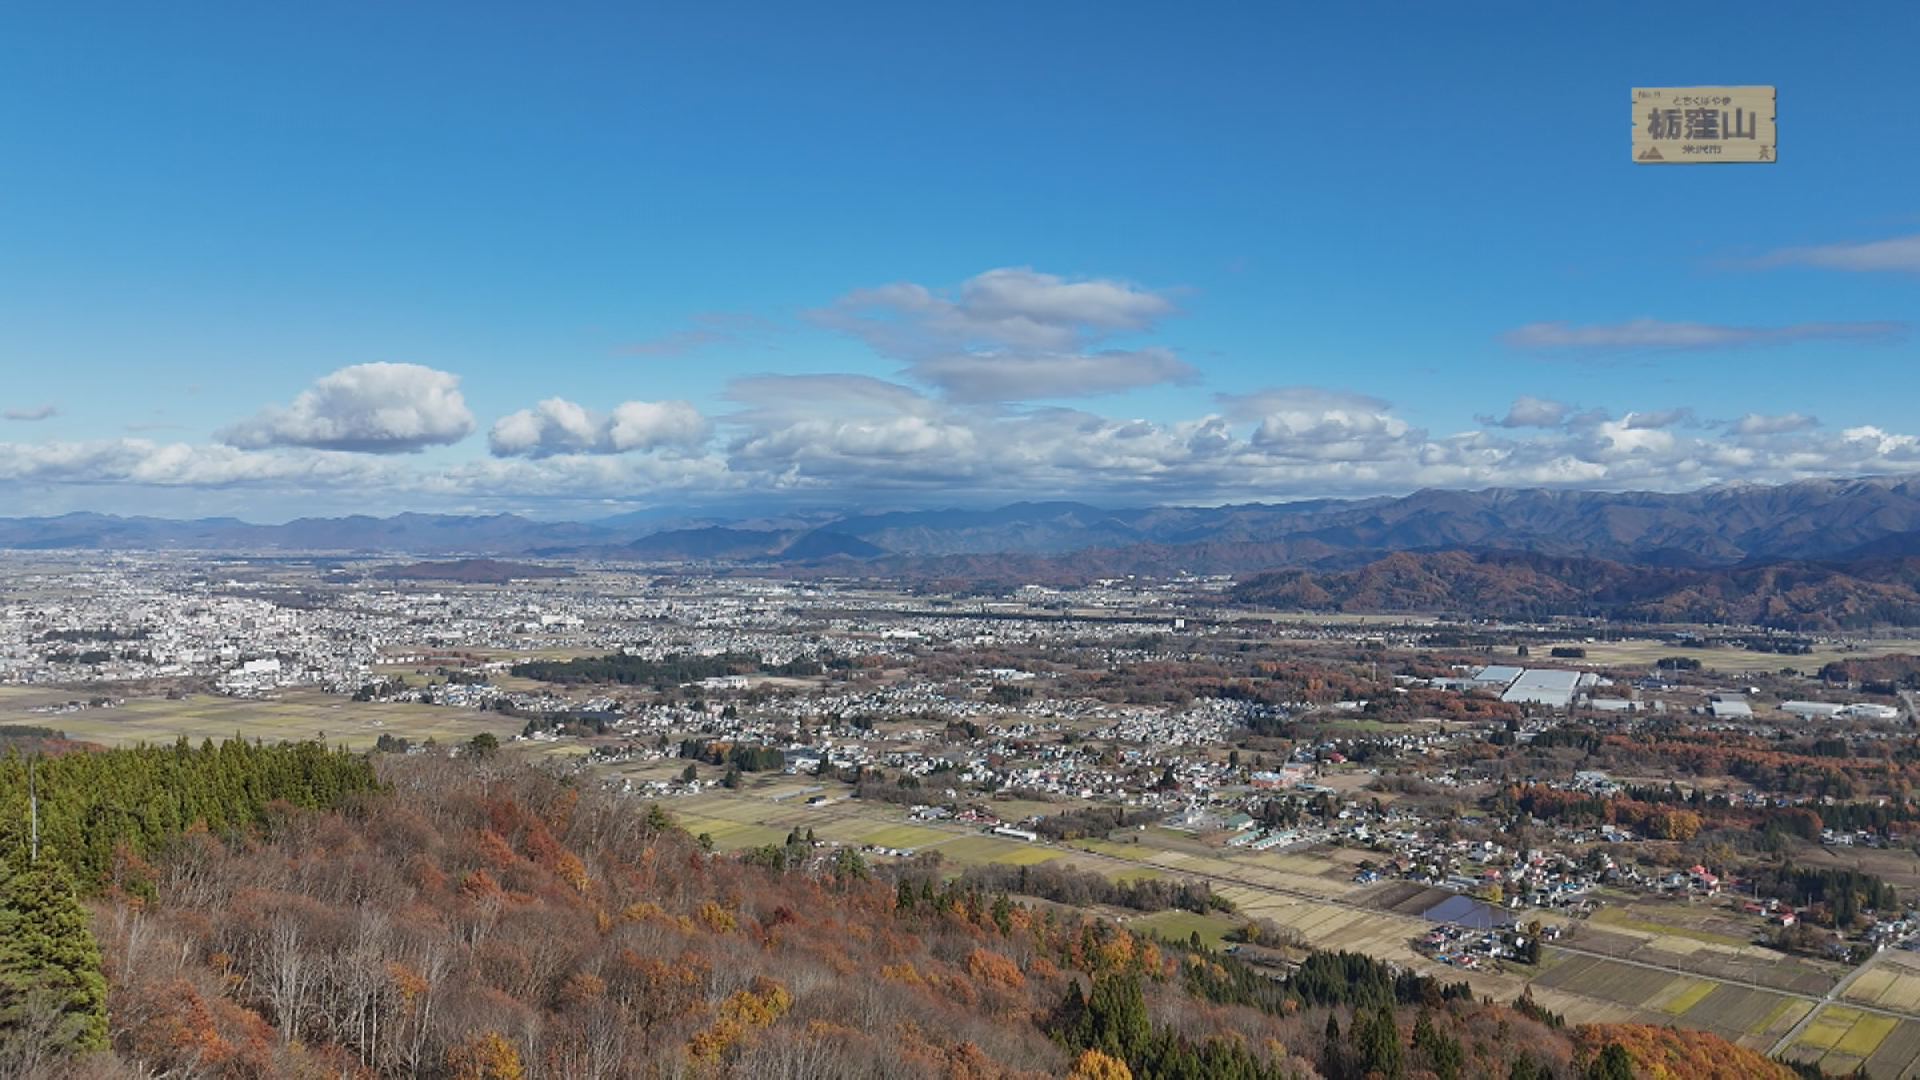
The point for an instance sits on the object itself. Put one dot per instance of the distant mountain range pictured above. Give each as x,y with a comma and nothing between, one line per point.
1720,526
1788,594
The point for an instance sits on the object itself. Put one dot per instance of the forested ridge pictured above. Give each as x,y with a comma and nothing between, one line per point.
477,917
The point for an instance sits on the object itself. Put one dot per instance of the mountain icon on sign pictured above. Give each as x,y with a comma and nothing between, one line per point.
1652,153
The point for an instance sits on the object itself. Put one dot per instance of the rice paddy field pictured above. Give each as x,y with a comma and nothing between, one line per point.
1645,652
1630,918
1671,936
292,714
1746,1015
1891,984
1308,890
1842,1039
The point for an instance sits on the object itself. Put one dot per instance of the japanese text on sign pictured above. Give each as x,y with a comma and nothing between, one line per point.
1680,125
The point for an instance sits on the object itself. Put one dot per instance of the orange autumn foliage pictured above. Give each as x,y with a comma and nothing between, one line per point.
995,970
1667,1053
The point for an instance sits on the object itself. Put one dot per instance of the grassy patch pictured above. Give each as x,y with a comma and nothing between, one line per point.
1180,925
1687,998
1829,1027
1788,1007
1866,1035
1109,847
1617,917
970,850
902,836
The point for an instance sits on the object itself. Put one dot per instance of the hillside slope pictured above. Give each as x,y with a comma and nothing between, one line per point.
478,918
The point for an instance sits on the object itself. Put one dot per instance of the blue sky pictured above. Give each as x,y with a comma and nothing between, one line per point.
883,255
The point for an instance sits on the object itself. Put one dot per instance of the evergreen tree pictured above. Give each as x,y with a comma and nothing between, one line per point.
1376,1040
1614,1063
1117,1017
51,987
1333,1050
1437,1050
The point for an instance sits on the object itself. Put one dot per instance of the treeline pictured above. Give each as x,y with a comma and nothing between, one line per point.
625,670
1082,888
478,917
1323,978
746,757
1773,766
1110,1022
88,822
97,808
662,674
1895,670
1839,896
1112,1034
1092,821
1657,821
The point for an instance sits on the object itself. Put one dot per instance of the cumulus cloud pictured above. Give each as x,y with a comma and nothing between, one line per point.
29,414
1660,335
559,426
852,434
845,437
142,461
367,408
1531,412
1901,254
809,429
1013,334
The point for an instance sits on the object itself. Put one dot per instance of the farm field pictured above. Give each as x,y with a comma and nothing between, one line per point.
1180,925
1111,848
1660,921
1744,963
1842,1039
1642,652
1898,1055
292,714
1890,985
1751,1017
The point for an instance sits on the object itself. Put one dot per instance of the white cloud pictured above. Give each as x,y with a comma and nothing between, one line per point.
1013,334
845,437
1660,335
559,426
852,434
1655,419
141,461
1901,254
1531,412
1010,377
1260,404
29,414
1757,424
367,408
